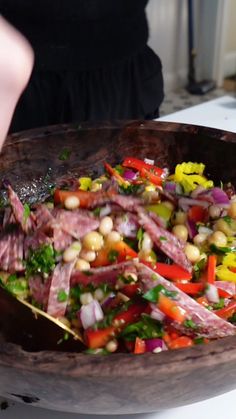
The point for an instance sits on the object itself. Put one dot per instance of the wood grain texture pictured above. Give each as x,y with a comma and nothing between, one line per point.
120,383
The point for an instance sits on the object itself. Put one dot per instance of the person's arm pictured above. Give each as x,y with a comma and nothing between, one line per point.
16,63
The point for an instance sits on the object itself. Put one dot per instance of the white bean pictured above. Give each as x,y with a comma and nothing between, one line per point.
106,225
112,345
98,294
93,241
181,232
113,237
218,238
70,254
82,265
88,255
214,211
200,239
86,298
192,252
72,202
147,243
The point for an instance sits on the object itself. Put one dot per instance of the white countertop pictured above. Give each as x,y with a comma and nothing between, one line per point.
219,113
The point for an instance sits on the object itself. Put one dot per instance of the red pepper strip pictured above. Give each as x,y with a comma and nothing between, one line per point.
171,309
86,198
130,290
190,288
203,301
169,271
113,172
130,315
181,342
98,338
227,311
124,252
197,213
211,269
137,164
151,176
140,346
224,294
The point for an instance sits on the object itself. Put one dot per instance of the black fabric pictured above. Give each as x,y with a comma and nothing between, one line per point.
131,89
91,61
79,34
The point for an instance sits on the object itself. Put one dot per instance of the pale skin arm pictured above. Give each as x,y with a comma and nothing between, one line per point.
16,63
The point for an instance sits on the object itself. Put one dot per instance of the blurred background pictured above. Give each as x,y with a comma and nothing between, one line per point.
215,44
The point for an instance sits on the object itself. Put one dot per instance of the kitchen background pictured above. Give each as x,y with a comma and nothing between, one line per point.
215,43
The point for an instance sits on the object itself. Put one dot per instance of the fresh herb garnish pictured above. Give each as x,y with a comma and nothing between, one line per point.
189,323
147,328
139,236
26,213
219,305
112,256
221,250
75,292
199,267
97,211
41,260
232,319
227,219
162,238
129,189
153,294
65,154
62,296
120,169
199,340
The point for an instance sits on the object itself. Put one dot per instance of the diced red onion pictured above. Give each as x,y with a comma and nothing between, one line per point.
156,314
197,191
185,203
90,314
153,344
110,297
212,293
216,196
170,187
129,175
192,228
105,211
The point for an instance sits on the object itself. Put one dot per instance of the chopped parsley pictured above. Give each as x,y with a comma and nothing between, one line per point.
146,328
189,323
221,250
97,211
62,296
129,189
65,154
219,305
112,256
41,260
227,219
153,294
162,238
26,213
139,236
199,340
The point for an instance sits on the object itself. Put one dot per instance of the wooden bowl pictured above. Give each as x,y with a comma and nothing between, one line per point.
120,383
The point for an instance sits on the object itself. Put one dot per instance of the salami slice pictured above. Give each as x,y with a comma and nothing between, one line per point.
76,223
128,203
164,240
208,323
26,221
60,283
39,290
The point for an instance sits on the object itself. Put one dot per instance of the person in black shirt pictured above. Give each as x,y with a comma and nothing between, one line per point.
92,61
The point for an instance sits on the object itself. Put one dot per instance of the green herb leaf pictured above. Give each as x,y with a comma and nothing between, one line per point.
162,238
97,211
198,340
147,328
189,323
153,294
41,260
112,256
221,250
62,296
65,154
227,219
26,213
219,305
129,190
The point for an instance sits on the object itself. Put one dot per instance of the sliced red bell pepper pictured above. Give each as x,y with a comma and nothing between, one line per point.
138,164
130,290
130,315
197,213
151,176
87,199
211,269
190,288
173,271
181,342
98,338
113,172
227,311
114,253
171,309
140,346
